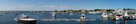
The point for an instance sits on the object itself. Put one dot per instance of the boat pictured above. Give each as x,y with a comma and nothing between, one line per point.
126,14
133,16
53,13
92,12
118,16
104,15
83,16
25,18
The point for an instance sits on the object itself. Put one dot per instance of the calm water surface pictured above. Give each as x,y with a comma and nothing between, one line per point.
60,18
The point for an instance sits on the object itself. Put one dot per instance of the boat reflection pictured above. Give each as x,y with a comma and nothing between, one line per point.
82,22
53,18
27,23
121,21
105,20
82,18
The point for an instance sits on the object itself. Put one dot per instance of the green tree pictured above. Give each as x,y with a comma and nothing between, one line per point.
97,9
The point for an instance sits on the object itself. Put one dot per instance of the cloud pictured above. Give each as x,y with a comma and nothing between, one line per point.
52,6
41,7
45,6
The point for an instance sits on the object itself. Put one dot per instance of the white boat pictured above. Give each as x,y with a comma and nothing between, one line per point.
126,14
119,13
83,16
104,15
25,18
118,16
92,12
134,16
53,14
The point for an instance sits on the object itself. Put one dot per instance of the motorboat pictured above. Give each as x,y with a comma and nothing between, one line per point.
104,15
25,18
92,12
118,16
83,16
126,14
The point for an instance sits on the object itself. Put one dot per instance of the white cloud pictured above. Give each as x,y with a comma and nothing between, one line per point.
37,7
55,6
52,6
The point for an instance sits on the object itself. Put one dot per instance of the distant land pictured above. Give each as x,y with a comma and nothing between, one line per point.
73,10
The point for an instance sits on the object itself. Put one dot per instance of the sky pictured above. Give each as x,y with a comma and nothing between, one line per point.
50,5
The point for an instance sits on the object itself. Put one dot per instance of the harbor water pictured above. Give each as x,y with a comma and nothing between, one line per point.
45,17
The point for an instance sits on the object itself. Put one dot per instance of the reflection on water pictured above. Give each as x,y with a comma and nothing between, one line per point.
117,22
121,21
105,20
125,22
53,18
82,22
27,23
82,19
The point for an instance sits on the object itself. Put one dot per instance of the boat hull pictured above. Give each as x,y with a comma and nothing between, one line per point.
104,15
24,21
